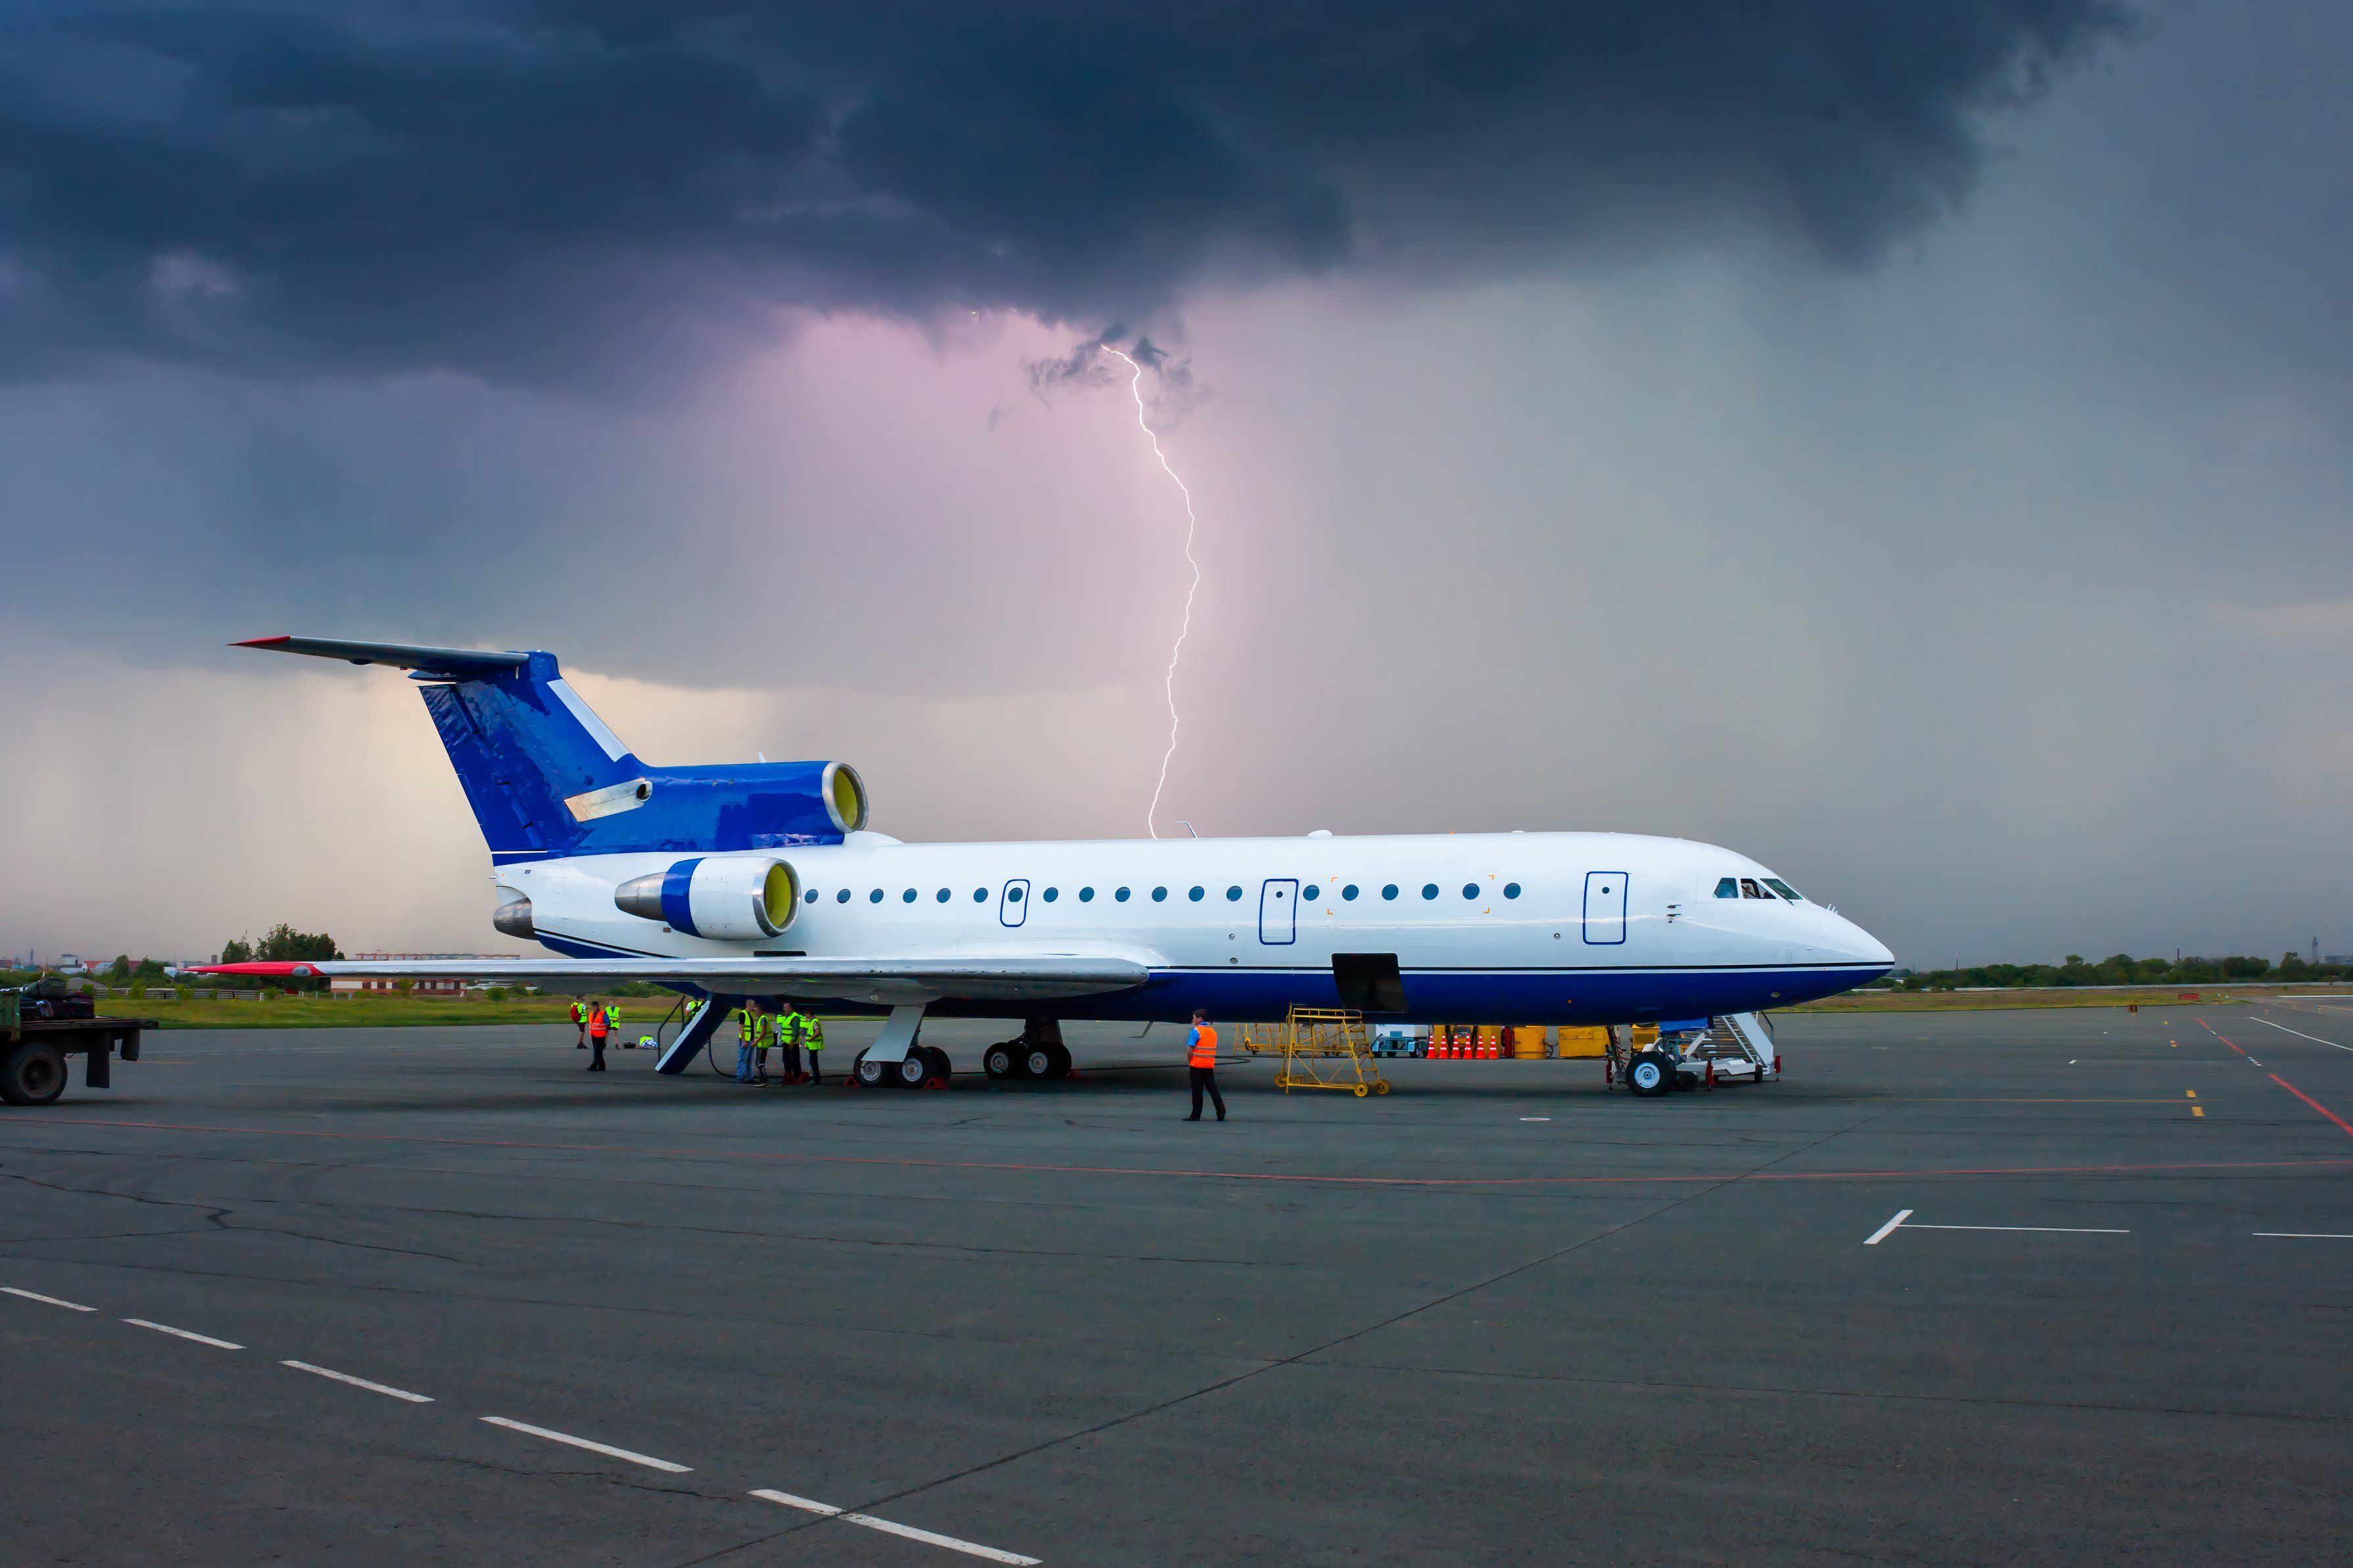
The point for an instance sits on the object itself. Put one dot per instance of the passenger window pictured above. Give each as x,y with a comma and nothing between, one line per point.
1050,895
1086,895
907,897
1194,895
842,897
1389,891
1013,894
1349,892
1234,894
875,897
980,895
1510,889
1470,890
1159,895
1729,888
810,897
1749,890
1429,890
944,895
1785,890
1121,895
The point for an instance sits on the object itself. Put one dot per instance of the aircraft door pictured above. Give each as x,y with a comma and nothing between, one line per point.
1278,912
1605,907
1013,903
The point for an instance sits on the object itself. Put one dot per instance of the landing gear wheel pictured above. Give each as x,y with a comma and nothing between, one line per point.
32,1074
1060,1067
1004,1060
1650,1073
871,1074
942,1068
917,1071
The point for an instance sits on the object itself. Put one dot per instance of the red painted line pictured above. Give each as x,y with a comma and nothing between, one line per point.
20,1119
2220,1036
2314,1103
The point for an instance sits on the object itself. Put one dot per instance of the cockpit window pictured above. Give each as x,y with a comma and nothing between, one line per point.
1749,890
1784,888
1729,888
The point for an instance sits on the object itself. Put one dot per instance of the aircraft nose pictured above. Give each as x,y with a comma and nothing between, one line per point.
1865,947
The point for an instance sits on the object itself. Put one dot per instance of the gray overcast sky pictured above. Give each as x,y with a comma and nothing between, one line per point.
1933,487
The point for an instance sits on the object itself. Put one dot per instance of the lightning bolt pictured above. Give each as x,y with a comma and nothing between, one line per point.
1192,525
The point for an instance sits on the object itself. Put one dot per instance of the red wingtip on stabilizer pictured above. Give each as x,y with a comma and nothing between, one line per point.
265,642
278,969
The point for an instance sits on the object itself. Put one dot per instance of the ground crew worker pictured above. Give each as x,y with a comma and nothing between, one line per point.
600,1023
749,1033
760,1044
613,1024
791,1027
1201,1060
580,1024
814,1038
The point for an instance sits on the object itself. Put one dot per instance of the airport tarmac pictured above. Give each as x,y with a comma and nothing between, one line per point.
438,1296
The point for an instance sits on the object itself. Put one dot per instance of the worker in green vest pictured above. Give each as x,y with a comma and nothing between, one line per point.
580,1023
813,1039
748,1035
790,1029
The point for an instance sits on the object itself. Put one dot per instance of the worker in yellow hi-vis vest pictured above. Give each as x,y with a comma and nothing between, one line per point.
748,1035
812,1037
580,1024
792,1029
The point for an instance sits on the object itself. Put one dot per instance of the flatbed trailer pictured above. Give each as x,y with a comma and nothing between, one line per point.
33,1052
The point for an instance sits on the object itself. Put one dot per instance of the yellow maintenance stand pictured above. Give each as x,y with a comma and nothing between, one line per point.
1311,1037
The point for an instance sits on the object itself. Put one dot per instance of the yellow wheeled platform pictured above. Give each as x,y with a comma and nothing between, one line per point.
1311,1037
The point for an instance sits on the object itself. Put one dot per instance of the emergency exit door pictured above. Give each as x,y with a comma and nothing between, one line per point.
1278,912
1013,903
1605,907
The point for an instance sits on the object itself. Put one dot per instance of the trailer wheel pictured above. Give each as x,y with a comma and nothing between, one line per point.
1686,1081
1648,1074
33,1074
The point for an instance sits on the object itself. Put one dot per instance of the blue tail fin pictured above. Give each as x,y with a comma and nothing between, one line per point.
546,777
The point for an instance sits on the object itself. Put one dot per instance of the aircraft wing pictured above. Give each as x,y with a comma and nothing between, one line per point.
882,982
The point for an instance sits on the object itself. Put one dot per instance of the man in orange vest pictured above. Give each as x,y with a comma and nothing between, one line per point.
1201,1061
600,1023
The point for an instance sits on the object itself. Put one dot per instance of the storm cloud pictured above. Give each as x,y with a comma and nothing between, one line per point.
543,192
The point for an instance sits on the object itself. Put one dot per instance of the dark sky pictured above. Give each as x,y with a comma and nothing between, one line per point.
1906,443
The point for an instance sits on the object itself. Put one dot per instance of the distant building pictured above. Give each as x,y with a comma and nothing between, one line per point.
422,986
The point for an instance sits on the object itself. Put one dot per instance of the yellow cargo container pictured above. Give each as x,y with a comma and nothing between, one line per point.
1529,1042
1645,1035
1584,1040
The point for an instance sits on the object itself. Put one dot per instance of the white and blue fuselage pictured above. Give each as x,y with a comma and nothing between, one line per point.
1522,927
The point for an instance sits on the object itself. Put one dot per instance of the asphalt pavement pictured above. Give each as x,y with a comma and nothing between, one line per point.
2032,1286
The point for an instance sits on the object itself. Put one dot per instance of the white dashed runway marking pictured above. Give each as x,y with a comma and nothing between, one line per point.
648,1460
47,1300
183,1334
359,1381
891,1527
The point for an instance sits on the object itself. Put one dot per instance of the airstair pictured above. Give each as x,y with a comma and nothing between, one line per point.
1737,1047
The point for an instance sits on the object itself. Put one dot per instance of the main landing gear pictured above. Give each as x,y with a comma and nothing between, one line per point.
1038,1052
925,1067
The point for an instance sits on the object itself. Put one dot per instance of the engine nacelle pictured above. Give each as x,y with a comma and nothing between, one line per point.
731,899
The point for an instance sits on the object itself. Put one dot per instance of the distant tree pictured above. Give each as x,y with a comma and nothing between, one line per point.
236,949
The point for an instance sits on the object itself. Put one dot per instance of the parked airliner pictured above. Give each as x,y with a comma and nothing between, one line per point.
757,881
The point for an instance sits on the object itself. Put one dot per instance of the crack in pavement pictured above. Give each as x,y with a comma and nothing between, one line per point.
221,1218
